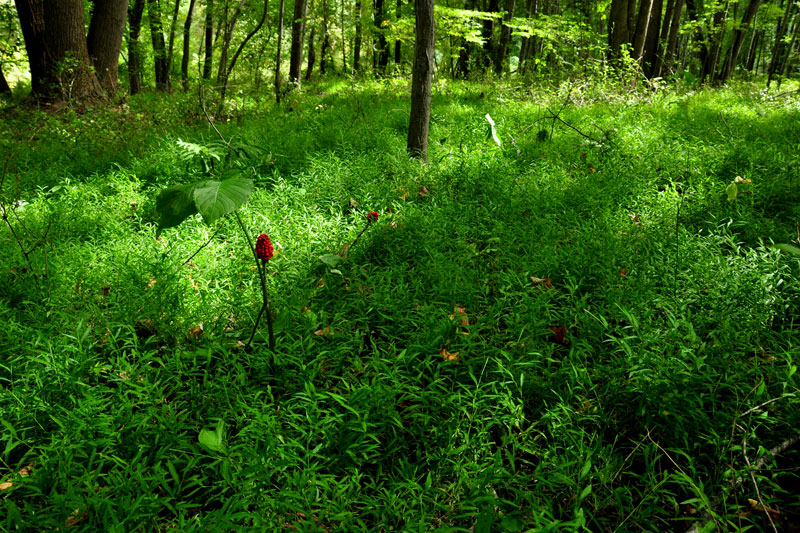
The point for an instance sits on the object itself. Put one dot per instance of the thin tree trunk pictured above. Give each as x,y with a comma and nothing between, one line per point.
526,50
462,63
134,46
344,40
505,38
618,31
298,31
106,29
398,44
324,49
487,34
778,49
698,36
419,121
209,40
187,33
751,50
653,47
171,45
642,23
357,41
159,46
381,46
278,55
241,47
312,54
716,35
737,39
790,48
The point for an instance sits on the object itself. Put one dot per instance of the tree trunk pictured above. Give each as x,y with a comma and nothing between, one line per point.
505,38
618,31
312,54
187,33
357,41
777,50
419,121
159,46
105,40
790,48
698,35
715,35
737,39
381,45
55,40
462,63
526,49
298,31
398,44
642,23
324,49
222,70
242,45
653,47
487,34
135,12
278,55
171,46
209,40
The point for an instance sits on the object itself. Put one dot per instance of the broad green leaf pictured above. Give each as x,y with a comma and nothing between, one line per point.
331,260
792,249
218,198
493,131
174,205
733,192
213,440
584,493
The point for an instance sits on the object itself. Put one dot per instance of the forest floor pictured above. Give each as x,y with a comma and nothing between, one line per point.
577,323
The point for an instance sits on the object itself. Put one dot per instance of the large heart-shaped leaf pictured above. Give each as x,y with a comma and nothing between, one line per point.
213,440
174,205
214,199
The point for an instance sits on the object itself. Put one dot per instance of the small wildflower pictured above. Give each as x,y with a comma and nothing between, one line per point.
372,216
264,247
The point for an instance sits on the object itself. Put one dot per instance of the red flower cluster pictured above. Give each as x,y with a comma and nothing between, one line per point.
372,216
264,247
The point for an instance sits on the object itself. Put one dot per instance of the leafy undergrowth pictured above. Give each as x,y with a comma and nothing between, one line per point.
579,330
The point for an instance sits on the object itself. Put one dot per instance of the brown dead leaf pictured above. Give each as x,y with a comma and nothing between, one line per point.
396,225
105,290
24,471
448,356
196,332
75,517
78,285
544,283
353,204
324,332
460,314
150,282
423,192
5,486
756,506
404,196
321,283
740,179
636,219
305,309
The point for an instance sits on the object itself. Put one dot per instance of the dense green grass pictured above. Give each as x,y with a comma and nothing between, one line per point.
678,317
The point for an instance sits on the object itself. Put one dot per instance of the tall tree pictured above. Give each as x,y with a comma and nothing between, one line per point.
642,23
618,29
652,41
779,46
135,12
105,40
159,45
324,48
278,55
737,39
171,42
55,39
487,33
227,35
505,37
244,42
208,62
398,44
298,32
187,33
380,44
422,76
312,54
357,40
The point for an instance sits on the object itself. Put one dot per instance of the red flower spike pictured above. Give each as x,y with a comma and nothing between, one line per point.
372,216
264,247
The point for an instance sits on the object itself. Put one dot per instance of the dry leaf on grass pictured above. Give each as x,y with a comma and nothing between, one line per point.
448,356
24,471
636,219
544,283
75,517
460,314
324,332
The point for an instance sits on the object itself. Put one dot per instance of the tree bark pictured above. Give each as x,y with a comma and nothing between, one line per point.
419,121
312,55
526,49
298,31
222,70
642,23
487,34
105,40
135,12
715,37
462,63
209,40
357,41
505,38
324,48
55,40
652,42
171,45
398,45
278,55
187,33
737,39
159,46
777,50
381,45
618,31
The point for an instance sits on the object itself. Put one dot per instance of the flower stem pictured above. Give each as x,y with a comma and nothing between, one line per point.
358,237
262,274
